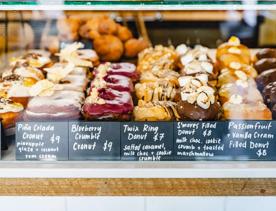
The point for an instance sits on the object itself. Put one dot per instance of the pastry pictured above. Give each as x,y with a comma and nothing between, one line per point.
61,105
236,109
107,26
134,46
155,111
107,104
158,85
116,82
196,61
247,69
68,29
74,53
266,53
110,39
159,58
265,78
109,47
70,76
198,100
18,82
33,58
168,75
265,64
247,93
156,91
9,112
232,76
74,83
232,51
124,33
90,29
269,94
109,95
123,68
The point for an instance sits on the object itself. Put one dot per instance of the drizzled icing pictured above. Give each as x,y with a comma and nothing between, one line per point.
7,105
18,89
72,54
195,60
194,89
160,57
44,88
24,72
60,99
59,71
116,99
32,59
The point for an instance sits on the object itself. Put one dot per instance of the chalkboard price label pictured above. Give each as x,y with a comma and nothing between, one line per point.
147,141
42,141
225,140
94,141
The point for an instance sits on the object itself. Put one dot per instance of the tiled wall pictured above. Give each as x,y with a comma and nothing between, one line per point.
138,203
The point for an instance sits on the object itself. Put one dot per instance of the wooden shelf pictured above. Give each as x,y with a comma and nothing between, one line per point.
137,187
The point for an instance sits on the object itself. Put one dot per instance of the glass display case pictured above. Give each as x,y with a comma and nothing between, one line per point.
138,97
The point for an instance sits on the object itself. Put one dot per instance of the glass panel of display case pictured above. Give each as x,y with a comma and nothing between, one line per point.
139,85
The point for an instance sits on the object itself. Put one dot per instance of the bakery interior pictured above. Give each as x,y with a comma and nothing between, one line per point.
155,47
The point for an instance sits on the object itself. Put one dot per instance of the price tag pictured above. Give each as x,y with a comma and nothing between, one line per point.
94,140
147,141
42,141
225,140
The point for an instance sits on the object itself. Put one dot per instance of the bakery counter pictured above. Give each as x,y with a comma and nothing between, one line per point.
117,178
138,179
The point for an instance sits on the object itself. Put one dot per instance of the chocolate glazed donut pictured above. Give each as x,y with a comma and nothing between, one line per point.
265,64
194,112
265,78
269,94
266,53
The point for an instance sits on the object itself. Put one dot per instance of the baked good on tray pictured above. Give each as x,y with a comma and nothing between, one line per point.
265,59
61,105
107,103
236,76
265,78
51,102
236,109
158,58
196,61
109,95
238,91
9,112
157,90
33,58
244,90
232,51
269,94
123,68
198,99
265,64
266,53
111,40
74,53
155,111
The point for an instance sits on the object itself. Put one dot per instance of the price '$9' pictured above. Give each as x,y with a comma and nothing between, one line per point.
55,139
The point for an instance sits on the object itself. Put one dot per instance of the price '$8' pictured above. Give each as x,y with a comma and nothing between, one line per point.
261,153
207,133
